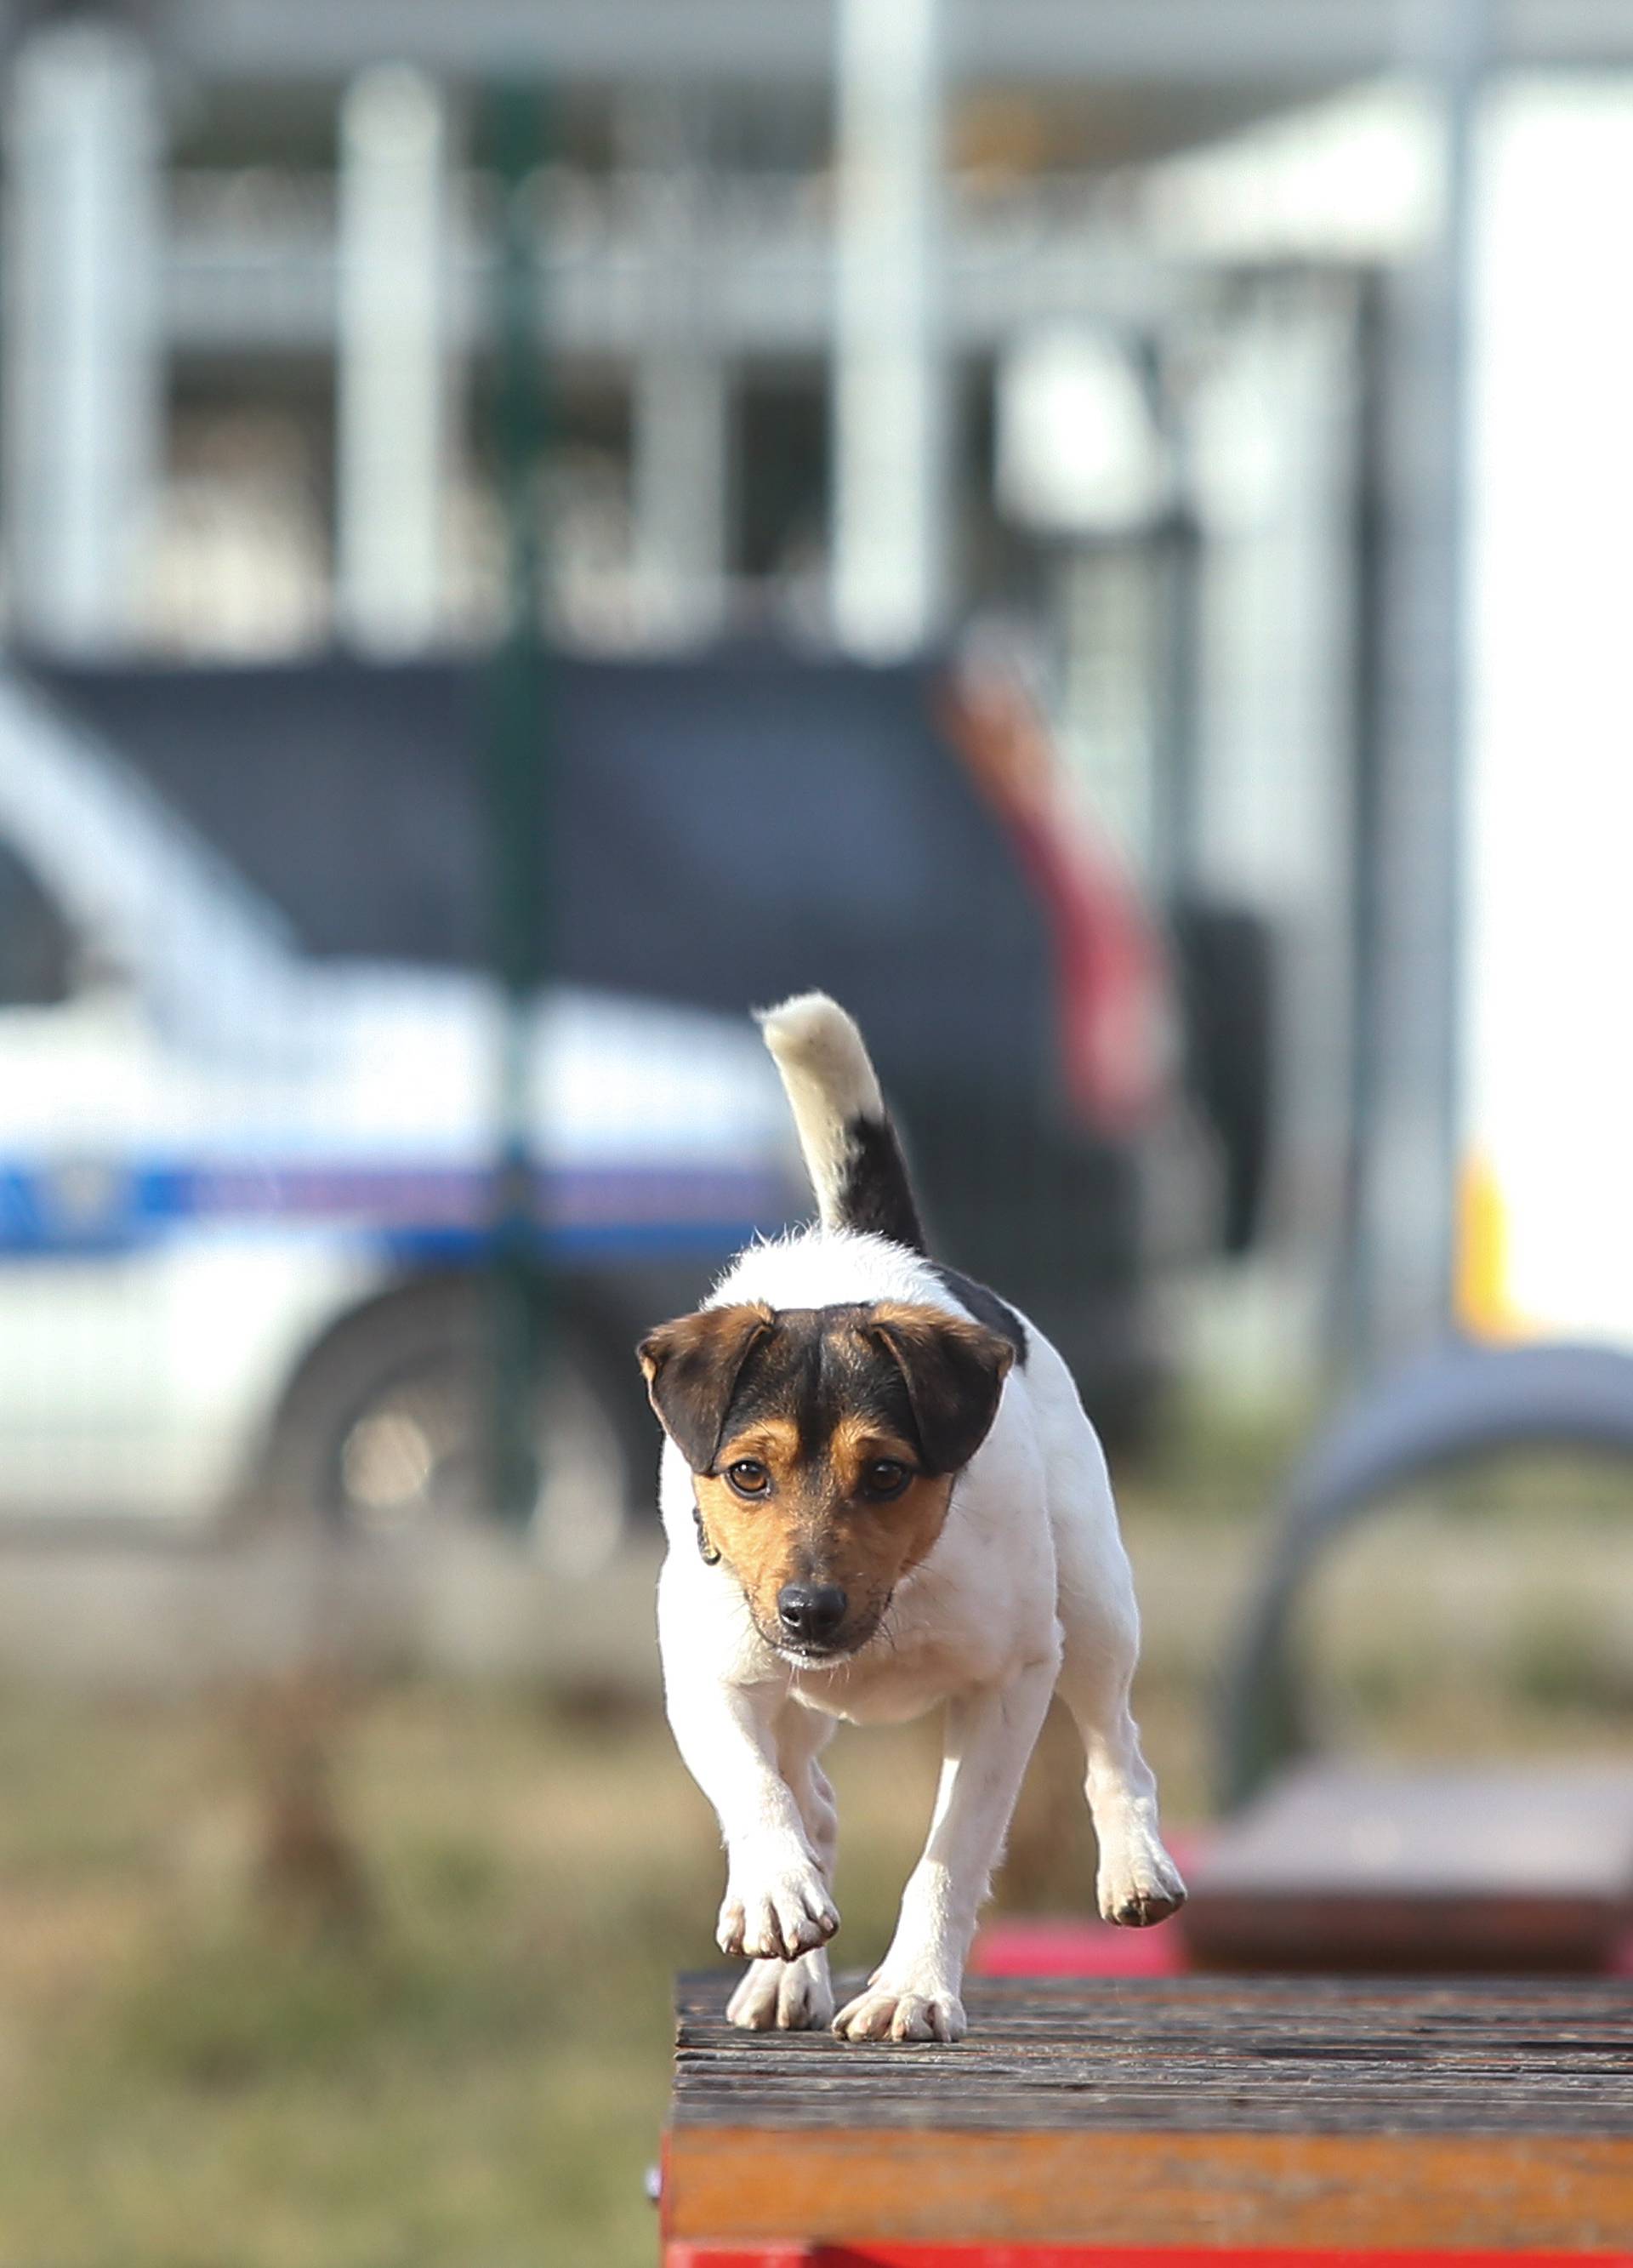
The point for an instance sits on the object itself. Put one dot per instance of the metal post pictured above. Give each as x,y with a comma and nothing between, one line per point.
1408,1202
1175,551
890,579
392,367
82,354
1353,1323
680,403
519,758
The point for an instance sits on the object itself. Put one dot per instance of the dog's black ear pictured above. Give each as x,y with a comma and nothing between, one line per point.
954,1373
692,1367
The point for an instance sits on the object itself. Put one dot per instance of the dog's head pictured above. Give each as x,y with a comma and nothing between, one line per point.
824,1443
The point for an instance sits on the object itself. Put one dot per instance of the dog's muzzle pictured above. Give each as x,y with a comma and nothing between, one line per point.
836,1641
809,1615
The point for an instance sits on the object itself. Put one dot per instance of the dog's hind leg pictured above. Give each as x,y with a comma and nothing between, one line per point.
794,1996
1139,1882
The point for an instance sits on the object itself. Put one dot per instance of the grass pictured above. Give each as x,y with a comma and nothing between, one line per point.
192,2077
195,2074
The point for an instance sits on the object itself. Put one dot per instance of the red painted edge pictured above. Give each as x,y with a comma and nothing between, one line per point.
1031,1944
783,2254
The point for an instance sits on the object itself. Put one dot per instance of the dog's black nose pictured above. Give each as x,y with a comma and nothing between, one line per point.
811,1612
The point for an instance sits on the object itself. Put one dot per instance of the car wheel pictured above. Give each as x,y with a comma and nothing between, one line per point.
383,1433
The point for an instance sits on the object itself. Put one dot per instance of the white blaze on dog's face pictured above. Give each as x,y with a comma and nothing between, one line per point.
824,1443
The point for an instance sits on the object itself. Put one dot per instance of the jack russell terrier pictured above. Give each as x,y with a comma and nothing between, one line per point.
881,1494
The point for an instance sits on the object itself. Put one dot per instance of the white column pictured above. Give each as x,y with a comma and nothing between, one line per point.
1547,1123
890,428
83,355
392,379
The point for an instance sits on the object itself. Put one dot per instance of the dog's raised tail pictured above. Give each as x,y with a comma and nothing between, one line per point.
850,1146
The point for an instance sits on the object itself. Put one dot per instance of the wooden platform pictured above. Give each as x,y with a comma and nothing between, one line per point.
1110,2122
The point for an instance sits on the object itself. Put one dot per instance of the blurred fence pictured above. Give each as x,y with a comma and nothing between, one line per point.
1003,571
373,1035
257,1155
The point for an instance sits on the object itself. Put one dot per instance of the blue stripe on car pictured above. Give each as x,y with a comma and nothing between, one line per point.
89,1206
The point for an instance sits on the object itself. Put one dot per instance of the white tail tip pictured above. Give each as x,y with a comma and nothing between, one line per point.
830,1083
822,1057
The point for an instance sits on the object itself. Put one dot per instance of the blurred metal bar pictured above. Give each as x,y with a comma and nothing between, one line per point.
518,756
391,409
613,41
82,351
770,280
1352,1319
1410,1174
680,397
1176,548
1290,44
890,378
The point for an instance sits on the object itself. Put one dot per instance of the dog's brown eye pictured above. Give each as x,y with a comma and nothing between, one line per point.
886,1478
749,1476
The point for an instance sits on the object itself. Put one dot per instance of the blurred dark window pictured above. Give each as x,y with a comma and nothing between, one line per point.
782,433
36,944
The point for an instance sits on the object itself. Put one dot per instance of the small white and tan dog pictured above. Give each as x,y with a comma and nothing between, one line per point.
881,1494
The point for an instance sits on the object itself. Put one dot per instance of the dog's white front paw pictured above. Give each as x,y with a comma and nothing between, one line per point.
776,1916
1138,1883
785,1996
887,2012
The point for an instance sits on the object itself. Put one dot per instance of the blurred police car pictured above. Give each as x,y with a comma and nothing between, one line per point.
242,1187
248,1052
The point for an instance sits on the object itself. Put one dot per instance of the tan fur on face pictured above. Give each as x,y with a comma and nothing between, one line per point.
815,1528
817,1396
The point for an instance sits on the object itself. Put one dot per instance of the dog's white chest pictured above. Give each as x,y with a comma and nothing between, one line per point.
913,1676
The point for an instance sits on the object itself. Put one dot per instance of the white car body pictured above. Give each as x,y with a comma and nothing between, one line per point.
216,1147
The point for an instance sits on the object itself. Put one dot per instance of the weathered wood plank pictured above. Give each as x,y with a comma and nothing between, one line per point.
1209,2112
1200,2056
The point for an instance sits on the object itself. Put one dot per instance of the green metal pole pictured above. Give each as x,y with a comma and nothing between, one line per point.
519,753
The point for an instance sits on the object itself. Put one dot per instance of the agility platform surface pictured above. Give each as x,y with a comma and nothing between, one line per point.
1161,2123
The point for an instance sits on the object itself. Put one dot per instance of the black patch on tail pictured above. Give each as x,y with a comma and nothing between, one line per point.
875,1194
986,1307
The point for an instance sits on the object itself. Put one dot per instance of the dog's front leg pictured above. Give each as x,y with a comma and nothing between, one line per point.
914,1993
777,1902
797,1995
